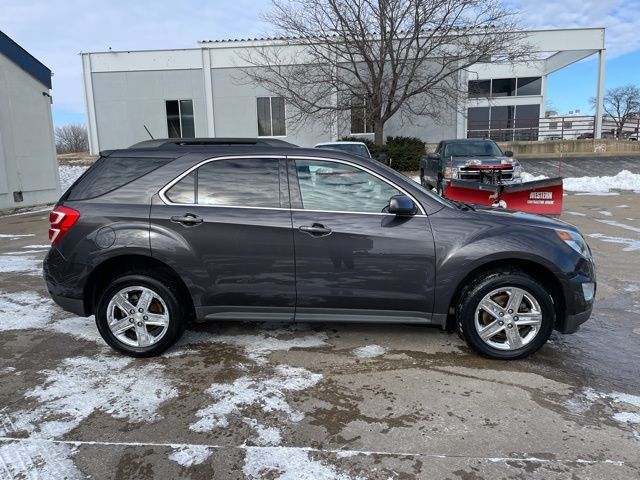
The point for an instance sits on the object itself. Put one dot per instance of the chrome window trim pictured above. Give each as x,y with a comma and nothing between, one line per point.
166,201
370,172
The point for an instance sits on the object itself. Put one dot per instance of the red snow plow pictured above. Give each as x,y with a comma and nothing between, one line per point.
543,197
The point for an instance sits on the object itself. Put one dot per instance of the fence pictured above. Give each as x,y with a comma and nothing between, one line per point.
550,128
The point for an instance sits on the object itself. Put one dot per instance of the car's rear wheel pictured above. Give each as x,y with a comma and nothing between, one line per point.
505,315
139,315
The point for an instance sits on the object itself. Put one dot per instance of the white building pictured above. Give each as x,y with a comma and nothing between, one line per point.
28,165
202,92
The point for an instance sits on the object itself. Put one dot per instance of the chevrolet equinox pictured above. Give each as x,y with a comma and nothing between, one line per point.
167,232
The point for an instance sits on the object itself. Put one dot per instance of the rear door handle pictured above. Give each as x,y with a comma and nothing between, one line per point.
315,230
188,219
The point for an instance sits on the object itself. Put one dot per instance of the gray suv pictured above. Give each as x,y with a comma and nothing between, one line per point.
167,232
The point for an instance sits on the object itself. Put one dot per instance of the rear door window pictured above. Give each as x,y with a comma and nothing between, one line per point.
110,173
237,182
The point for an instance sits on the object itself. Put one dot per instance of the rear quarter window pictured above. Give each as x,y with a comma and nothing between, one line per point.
110,173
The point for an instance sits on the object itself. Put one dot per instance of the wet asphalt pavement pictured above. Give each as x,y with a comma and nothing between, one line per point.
322,400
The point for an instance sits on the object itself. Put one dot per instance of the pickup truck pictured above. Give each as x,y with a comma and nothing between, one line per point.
475,160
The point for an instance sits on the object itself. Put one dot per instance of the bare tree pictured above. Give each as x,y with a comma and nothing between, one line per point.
71,138
621,104
383,57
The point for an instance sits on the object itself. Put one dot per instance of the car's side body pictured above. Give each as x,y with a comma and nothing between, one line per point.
252,262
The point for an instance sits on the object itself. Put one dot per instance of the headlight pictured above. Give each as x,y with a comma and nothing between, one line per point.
507,161
575,241
473,161
450,172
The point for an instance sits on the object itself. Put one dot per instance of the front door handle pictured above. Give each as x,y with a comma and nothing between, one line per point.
315,230
188,219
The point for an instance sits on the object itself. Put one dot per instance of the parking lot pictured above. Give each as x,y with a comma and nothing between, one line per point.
321,400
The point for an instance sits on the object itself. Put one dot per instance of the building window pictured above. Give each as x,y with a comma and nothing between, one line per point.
360,122
271,117
180,122
529,86
503,87
553,125
567,125
479,88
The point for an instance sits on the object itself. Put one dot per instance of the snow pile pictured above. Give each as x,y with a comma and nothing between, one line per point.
369,351
529,177
68,175
188,455
625,180
22,310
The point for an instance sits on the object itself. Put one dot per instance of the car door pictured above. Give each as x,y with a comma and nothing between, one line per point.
226,225
353,261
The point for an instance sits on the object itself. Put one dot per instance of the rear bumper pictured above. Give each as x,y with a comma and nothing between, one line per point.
63,282
579,295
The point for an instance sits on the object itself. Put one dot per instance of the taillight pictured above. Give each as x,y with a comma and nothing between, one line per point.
61,220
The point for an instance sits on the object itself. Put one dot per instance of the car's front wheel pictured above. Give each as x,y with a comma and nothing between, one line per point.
505,315
139,315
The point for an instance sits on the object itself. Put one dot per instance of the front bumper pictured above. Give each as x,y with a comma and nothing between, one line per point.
579,296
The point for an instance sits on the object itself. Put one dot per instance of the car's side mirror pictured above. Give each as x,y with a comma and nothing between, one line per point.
433,156
402,205
508,153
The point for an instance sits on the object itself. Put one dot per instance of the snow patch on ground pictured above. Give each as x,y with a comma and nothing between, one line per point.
189,455
369,351
606,213
624,180
287,464
68,175
13,236
22,310
259,345
575,214
42,246
20,264
620,405
79,327
631,244
622,206
79,386
268,394
265,436
37,460
632,288
624,226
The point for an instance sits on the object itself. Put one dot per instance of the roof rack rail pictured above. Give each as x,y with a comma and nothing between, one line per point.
184,142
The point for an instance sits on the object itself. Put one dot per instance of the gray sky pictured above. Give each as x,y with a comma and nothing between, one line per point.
55,31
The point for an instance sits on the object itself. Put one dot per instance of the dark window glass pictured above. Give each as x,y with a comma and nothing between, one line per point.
357,119
336,187
184,191
264,117
173,119
480,148
502,117
567,125
477,122
180,122
186,119
553,125
527,116
271,117
479,88
277,116
503,87
109,173
242,182
529,86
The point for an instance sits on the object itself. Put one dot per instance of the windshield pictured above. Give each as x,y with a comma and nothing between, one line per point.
480,148
355,148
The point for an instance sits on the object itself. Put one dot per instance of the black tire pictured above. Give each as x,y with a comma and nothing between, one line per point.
166,289
483,285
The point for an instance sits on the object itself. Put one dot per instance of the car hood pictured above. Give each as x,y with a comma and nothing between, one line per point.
460,161
523,218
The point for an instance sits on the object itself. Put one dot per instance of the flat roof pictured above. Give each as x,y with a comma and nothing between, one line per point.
25,60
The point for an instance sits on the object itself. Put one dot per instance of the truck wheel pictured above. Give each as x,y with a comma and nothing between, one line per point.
505,315
139,315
